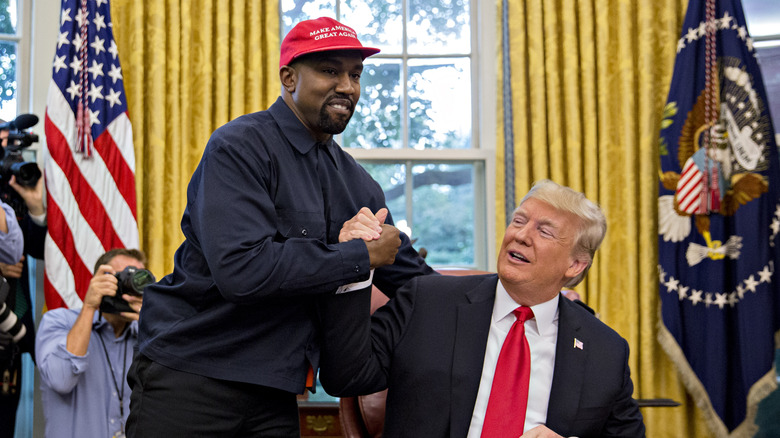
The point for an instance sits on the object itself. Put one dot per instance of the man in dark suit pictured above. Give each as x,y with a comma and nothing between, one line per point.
435,345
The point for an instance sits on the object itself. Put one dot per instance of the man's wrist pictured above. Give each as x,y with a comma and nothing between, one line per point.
39,218
357,285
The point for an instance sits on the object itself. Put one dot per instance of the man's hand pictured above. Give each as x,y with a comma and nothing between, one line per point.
364,225
12,271
381,252
540,431
134,302
104,283
33,196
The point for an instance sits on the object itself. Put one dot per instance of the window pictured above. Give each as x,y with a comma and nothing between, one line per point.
415,128
9,44
15,65
763,21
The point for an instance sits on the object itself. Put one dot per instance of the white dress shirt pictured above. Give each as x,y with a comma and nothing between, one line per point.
541,332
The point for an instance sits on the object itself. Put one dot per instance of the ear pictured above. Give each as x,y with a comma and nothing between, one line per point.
288,77
577,266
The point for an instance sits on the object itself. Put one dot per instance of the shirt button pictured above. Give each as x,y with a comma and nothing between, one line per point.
304,232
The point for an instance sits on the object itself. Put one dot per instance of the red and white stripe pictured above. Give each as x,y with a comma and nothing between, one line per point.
91,200
690,189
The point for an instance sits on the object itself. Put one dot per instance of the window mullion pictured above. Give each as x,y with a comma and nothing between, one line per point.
405,76
409,192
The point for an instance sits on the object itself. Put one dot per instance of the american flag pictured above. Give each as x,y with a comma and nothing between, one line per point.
89,162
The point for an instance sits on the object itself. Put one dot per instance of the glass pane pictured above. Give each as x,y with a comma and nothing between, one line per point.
439,27
8,16
392,179
443,199
762,16
294,11
440,103
378,23
769,61
8,107
377,119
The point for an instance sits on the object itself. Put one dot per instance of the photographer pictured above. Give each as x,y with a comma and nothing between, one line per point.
83,355
25,199
11,240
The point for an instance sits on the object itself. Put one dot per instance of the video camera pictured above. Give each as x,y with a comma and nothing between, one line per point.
10,325
131,281
12,163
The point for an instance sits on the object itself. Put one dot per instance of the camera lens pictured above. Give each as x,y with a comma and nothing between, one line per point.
10,324
141,278
27,173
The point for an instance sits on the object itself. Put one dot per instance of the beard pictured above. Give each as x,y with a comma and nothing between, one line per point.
333,125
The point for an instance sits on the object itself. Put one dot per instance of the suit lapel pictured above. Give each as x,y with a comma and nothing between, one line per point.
471,333
569,372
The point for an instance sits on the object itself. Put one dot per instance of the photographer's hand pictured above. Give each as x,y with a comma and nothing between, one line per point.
135,302
33,196
103,283
12,271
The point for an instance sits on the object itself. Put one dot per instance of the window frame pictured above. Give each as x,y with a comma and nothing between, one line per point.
483,137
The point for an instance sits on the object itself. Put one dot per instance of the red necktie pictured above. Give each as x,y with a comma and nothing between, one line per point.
505,415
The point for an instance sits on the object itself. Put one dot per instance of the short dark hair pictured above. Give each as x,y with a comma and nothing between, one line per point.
107,257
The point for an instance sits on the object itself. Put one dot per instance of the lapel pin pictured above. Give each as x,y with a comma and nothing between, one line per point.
578,344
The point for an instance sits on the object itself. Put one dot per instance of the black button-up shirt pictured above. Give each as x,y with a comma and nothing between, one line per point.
261,224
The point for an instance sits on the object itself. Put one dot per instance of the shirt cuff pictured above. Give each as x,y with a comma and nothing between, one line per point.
356,286
40,219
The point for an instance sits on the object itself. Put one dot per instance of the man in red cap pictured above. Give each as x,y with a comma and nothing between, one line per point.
277,216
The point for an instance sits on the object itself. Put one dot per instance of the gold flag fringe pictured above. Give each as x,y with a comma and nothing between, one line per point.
763,387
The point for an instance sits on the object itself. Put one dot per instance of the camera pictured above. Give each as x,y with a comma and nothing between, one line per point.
131,281
9,323
13,164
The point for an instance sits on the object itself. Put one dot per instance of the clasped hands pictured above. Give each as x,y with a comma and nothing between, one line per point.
382,240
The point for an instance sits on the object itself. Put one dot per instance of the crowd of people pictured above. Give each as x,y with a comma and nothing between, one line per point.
285,234
22,234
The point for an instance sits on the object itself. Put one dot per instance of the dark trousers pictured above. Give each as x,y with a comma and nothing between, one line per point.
11,357
168,403
9,400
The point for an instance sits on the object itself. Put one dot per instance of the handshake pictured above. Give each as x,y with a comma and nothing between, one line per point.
382,240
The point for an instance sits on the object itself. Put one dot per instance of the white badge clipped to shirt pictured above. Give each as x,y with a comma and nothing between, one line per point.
119,434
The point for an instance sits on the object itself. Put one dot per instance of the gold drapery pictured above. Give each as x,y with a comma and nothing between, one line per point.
587,81
188,68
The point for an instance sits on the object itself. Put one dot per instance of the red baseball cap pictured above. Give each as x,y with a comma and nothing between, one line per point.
320,35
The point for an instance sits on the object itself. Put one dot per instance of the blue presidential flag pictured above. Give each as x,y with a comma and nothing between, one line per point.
719,219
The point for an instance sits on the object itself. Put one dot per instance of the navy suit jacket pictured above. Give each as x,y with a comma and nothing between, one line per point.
427,345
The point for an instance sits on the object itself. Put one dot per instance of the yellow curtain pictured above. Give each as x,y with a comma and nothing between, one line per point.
587,81
188,68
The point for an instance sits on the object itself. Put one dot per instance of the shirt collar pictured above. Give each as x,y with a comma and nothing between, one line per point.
294,130
99,323
545,314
